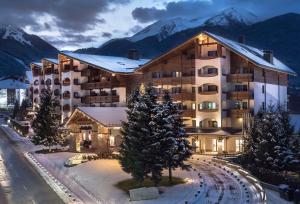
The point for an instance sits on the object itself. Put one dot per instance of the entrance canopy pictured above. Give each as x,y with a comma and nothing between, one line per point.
106,116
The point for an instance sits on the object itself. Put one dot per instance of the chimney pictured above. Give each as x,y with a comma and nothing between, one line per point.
242,39
268,56
133,54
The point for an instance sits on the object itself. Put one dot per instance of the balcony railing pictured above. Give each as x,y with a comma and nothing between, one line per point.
240,95
175,80
239,78
239,112
184,96
100,85
189,113
208,110
100,99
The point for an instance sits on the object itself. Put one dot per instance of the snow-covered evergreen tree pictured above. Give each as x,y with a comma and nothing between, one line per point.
23,109
136,132
169,128
46,122
268,145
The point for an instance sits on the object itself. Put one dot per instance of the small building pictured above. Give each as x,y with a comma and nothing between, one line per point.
12,90
95,129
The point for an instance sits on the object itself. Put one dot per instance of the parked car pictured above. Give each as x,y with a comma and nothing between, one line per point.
80,158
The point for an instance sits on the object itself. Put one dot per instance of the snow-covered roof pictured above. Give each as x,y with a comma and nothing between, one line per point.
39,64
252,54
29,76
107,116
12,84
55,61
109,63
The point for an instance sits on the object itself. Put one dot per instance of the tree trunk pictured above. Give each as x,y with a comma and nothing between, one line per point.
49,148
170,174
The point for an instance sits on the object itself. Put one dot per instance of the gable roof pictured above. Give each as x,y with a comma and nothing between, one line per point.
254,55
109,63
54,61
107,116
37,64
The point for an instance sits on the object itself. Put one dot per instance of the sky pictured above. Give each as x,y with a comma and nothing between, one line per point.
73,24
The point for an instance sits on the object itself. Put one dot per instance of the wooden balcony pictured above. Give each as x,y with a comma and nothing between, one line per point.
239,78
207,92
174,80
239,112
240,95
100,85
100,99
189,113
183,96
206,110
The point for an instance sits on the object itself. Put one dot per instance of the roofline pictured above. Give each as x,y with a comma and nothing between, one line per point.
92,118
124,73
49,61
238,53
35,63
207,33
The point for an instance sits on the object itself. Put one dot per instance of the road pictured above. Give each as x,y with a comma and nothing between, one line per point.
219,186
22,184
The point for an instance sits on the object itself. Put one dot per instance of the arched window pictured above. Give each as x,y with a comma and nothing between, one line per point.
48,82
66,82
208,71
206,89
56,92
36,82
66,95
56,81
208,124
36,91
66,107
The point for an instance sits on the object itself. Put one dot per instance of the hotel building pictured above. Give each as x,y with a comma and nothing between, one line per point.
220,84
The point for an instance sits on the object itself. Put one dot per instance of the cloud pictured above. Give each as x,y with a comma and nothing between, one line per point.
106,34
206,8
74,15
173,9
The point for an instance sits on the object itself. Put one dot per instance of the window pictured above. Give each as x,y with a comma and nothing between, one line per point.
213,53
176,90
239,144
193,106
207,106
111,140
194,123
193,89
263,89
156,75
240,105
241,87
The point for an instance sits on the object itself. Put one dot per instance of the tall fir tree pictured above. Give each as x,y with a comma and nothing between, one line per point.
136,132
23,110
169,128
46,122
268,144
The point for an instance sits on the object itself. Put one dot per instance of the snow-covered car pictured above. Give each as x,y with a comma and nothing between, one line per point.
80,158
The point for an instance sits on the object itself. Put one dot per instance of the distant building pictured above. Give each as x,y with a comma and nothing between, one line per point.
12,90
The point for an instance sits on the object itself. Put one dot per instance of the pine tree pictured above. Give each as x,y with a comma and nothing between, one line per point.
268,144
16,109
136,132
174,146
46,123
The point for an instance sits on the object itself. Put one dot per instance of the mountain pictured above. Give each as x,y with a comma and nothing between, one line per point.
164,28
18,49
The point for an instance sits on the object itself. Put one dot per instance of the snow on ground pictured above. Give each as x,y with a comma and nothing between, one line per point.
273,197
99,177
95,180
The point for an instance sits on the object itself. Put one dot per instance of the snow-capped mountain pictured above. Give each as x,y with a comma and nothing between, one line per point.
164,28
15,33
232,15
167,27
18,49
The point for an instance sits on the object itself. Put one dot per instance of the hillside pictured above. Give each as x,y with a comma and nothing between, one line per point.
18,49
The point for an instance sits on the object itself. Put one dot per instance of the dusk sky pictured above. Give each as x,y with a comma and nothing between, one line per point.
73,24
